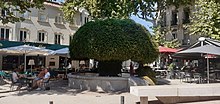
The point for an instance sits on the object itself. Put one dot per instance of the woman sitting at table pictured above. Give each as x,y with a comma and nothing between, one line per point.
39,77
45,79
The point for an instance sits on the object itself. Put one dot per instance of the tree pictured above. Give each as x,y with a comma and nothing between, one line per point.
153,11
159,39
98,9
112,41
206,19
8,7
149,10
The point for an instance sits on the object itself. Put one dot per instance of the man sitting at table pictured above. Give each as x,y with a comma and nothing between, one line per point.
39,77
45,79
16,78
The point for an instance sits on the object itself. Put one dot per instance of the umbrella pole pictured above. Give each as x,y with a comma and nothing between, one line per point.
66,66
207,69
25,62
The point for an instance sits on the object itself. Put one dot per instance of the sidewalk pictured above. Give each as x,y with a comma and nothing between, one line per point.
61,94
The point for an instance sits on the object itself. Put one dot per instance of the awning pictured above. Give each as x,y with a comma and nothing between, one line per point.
6,44
167,50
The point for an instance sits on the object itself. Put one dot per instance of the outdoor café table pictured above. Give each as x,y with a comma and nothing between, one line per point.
30,80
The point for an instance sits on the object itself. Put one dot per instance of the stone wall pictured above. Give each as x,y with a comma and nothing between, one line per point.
100,84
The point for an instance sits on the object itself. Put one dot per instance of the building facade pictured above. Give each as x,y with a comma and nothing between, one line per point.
174,21
43,26
46,26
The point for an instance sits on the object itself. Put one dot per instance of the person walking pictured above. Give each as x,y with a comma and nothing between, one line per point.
131,69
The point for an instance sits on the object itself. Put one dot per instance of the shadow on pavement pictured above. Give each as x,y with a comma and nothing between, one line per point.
59,87
162,81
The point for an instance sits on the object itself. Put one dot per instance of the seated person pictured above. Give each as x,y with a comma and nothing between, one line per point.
39,77
16,78
2,73
44,79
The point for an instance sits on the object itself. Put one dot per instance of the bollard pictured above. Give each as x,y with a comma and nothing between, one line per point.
122,100
50,102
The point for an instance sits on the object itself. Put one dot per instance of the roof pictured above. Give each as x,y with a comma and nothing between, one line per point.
52,3
202,46
204,41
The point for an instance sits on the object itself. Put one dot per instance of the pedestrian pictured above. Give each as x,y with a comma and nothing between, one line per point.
131,69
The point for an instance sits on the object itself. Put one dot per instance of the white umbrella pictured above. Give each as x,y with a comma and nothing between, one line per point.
63,51
26,50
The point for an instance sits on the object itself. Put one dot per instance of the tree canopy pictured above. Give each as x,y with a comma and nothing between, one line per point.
113,39
149,10
206,19
8,7
159,39
98,9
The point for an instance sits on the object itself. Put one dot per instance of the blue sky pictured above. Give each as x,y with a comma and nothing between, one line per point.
143,22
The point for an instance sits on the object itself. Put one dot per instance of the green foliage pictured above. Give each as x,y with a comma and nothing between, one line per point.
113,39
159,39
21,6
206,19
149,10
98,9
152,10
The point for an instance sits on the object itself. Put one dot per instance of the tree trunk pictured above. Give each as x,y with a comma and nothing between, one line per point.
109,68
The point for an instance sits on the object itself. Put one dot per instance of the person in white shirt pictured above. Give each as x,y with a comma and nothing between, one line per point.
45,79
16,79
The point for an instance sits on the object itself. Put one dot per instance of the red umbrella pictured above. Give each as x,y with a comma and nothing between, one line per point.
167,50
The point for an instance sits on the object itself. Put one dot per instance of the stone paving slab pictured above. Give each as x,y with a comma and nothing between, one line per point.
61,94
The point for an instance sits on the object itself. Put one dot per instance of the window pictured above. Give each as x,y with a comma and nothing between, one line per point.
3,12
71,37
186,39
42,16
26,15
42,36
4,34
59,19
23,36
186,15
81,18
57,39
163,21
86,19
174,35
174,18
51,63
